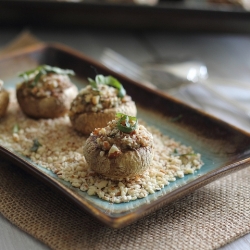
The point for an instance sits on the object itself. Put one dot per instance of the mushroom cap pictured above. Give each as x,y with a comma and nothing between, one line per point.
4,102
85,123
129,163
46,107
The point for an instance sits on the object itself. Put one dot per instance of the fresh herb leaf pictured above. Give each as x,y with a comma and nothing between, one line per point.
188,154
93,84
56,70
43,70
107,80
100,79
113,82
36,79
183,155
177,118
35,146
126,124
15,129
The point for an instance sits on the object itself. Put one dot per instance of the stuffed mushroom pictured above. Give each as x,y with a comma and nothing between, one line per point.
46,92
98,102
4,100
121,149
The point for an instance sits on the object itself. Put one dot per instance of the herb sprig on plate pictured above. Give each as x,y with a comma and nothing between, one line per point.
43,70
15,128
176,153
35,146
107,80
126,124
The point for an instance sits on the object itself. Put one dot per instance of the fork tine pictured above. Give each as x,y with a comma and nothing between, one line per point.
121,64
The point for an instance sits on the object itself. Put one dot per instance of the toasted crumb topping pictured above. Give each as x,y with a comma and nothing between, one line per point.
90,100
48,85
112,141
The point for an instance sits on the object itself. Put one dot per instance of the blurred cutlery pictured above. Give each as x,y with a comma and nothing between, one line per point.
169,77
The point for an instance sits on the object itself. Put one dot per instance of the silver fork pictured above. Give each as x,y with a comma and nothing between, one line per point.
163,76
167,77
122,65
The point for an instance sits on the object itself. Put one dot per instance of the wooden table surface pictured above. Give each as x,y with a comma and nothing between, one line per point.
226,55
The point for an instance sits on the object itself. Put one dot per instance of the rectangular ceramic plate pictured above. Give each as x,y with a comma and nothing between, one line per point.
224,149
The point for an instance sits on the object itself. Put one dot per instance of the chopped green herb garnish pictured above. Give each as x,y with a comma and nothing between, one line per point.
188,154
108,80
15,129
175,119
43,70
126,124
93,84
35,146
175,153
111,81
184,157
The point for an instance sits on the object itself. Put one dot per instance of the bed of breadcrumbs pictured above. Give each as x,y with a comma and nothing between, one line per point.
53,144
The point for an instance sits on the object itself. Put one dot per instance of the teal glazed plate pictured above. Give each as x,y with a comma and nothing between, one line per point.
224,148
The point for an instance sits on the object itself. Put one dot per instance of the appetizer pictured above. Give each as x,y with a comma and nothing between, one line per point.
4,100
121,149
97,104
46,92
